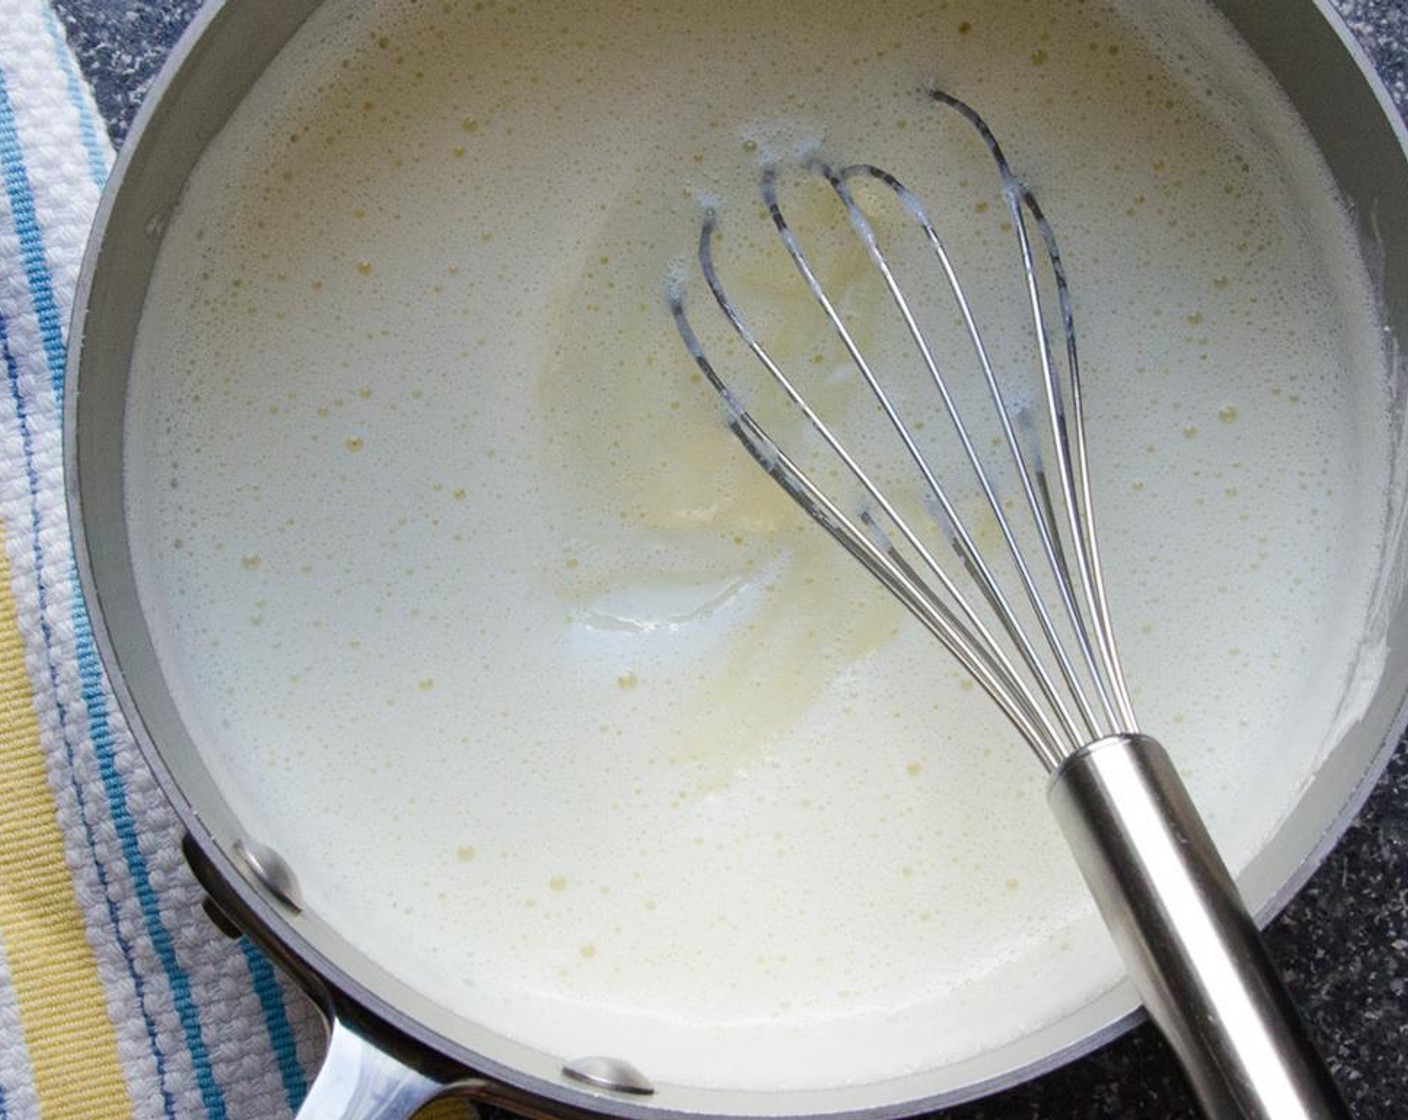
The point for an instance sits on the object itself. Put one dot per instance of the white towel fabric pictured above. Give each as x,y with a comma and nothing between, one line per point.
117,998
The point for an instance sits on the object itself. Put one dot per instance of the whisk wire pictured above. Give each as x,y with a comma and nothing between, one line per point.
1085,697
1078,504
1019,198
1045,526
980,569
972,620
976,652
1075,474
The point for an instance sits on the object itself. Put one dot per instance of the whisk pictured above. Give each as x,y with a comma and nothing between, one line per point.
1029,620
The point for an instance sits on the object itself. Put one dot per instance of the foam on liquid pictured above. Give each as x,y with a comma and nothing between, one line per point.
559,710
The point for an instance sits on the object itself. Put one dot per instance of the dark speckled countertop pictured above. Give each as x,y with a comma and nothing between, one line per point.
1342,943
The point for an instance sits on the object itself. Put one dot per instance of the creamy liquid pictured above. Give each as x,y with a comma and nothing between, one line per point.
561,713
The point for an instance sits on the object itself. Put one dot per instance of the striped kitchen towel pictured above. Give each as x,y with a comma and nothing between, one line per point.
117,998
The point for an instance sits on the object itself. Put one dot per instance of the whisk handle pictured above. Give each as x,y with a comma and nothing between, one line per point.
1192,950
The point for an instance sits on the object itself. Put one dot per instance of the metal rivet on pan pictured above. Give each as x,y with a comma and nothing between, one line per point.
265,868
614,1074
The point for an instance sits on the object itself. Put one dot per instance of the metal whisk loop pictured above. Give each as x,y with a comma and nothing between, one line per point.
1045,524
1075,480
1064,687
962,630
1077,498
973,557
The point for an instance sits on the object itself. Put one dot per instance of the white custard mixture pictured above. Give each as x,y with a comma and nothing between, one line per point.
558,709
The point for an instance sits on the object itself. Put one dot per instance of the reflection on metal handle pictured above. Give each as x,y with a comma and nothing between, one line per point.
358,1081
1191,949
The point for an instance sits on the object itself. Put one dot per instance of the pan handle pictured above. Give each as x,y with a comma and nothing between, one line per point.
359,1081
371,1071
1191,949
360,1078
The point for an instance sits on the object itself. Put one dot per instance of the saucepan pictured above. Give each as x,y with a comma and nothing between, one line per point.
393,1045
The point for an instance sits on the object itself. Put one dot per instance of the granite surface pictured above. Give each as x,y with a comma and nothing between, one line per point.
1342,943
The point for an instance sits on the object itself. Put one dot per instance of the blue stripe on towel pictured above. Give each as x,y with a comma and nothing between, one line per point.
271,998
22,209
81,796
97,153
90,677
36,268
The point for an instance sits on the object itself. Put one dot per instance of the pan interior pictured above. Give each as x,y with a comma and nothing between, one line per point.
563,717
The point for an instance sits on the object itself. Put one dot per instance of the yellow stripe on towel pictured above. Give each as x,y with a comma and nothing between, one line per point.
70,1040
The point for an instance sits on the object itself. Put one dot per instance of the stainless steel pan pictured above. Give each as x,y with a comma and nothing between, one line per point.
390,1048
